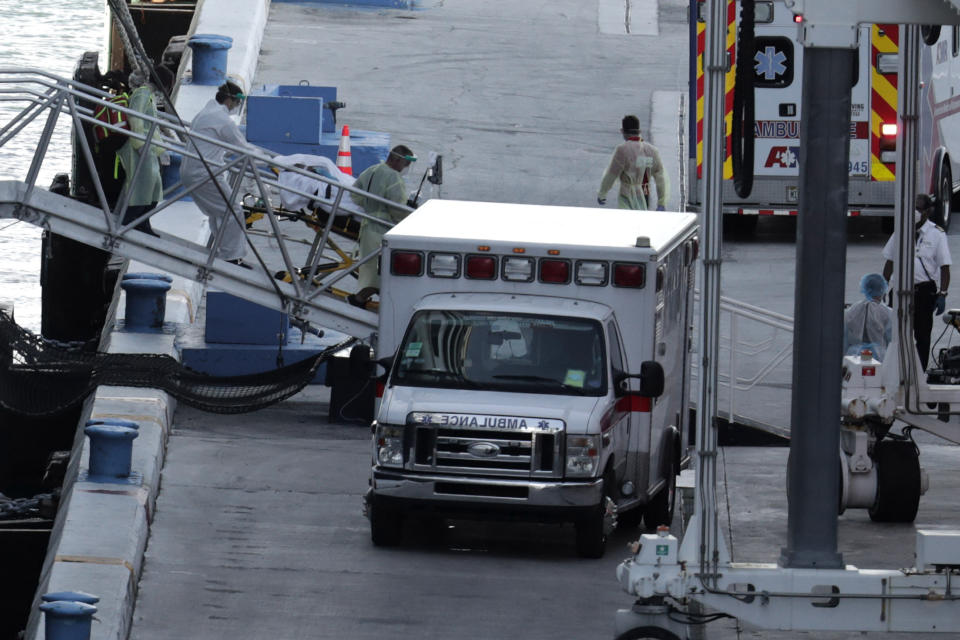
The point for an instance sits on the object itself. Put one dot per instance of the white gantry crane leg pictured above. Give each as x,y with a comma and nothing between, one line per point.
809,588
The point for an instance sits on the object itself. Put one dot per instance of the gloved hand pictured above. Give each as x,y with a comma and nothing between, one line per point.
412,202
660,207
940,304
601,200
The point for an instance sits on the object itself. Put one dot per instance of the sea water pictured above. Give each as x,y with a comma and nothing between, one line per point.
49,35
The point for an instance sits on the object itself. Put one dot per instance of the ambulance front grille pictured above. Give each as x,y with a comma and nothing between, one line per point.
534,454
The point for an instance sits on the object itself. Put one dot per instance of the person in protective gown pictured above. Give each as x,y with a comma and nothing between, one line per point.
214,121
631,160
145,188
868,324
386,181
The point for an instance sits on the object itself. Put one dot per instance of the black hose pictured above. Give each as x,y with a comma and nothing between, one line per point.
742,127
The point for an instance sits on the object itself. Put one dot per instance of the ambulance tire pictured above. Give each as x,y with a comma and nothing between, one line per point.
737,224
898,481
591,534
386,525
944,196
638,633
660,510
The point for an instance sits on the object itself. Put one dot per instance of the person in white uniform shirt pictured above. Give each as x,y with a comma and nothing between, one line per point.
214,121
931,274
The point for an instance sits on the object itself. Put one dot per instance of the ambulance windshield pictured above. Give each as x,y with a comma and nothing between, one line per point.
503,352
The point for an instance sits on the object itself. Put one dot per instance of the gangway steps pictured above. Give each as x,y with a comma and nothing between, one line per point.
84,223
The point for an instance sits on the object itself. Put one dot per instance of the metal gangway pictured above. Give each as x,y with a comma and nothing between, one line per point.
41,97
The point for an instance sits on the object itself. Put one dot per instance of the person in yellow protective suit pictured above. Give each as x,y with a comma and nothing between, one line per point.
386,181
144,189
630,162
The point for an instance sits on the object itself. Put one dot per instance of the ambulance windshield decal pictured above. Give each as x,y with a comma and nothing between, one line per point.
503,352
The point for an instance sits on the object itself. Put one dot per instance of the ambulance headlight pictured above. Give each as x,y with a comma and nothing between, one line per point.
389,446
583,456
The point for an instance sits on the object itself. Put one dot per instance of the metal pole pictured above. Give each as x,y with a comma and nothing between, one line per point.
908,97
813,468
711,222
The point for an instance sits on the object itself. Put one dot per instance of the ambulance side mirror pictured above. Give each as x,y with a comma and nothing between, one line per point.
651,380
386,364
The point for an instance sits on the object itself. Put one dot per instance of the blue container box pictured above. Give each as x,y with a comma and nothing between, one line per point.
233,320
289,113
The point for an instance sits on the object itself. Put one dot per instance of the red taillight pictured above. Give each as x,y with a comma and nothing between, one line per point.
629,275
555,271
888,129
868,371
380,388
798,18
481,267
406,263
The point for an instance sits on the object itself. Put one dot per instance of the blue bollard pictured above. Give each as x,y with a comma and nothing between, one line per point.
67,620
71,596
110,450
209,58
146,302
143,275
115,422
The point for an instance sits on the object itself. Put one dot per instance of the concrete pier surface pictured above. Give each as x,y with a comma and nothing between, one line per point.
258,533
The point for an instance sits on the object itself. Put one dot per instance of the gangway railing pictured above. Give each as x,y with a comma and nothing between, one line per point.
755,366
311,298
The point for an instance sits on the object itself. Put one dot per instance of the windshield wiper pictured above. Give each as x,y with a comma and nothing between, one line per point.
439,374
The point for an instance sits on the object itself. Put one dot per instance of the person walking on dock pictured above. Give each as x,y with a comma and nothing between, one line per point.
384,180
215,122
931,273
633,162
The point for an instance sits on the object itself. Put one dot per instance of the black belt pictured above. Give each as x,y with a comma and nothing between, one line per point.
929,284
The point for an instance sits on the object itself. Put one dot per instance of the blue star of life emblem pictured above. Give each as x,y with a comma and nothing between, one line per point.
543,424
426,419
770,63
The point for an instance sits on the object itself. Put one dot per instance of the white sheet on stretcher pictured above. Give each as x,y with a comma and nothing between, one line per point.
323,166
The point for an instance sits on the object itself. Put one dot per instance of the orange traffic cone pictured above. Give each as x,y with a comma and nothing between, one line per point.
344,161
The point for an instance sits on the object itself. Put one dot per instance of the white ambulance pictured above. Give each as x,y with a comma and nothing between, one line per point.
537,363
776,58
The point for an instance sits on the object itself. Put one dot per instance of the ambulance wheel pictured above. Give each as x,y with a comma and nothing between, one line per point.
660,510
637,633
738,224
592,530
898,481
945,196
386,525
